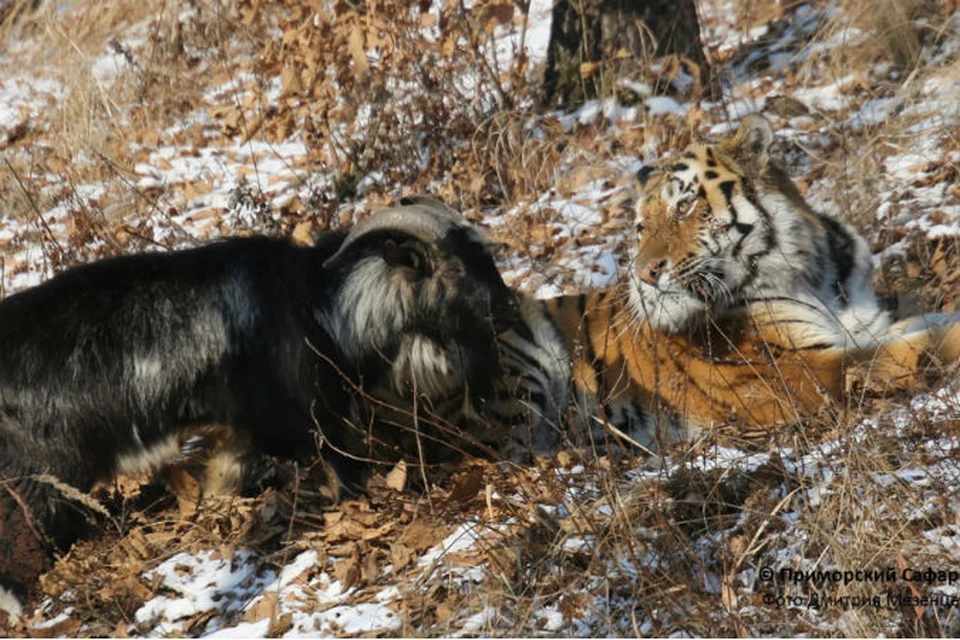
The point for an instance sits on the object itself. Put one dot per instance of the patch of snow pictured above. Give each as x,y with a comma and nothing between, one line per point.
476,623
63,616
203,582
463,538
258,629
356,619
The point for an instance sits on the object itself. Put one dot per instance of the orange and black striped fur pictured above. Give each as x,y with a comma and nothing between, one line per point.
631,379
742,306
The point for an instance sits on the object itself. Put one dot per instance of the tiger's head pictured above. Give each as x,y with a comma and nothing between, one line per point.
705,224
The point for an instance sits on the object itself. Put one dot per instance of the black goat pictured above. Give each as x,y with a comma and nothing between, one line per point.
106,366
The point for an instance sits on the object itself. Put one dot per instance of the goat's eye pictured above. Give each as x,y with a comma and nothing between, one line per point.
402,255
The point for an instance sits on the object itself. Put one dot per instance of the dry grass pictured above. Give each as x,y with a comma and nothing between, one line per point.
876,57
610,544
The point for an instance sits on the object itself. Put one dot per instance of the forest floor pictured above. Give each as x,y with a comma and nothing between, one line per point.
129,126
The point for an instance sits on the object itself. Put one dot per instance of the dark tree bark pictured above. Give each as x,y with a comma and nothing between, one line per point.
595,42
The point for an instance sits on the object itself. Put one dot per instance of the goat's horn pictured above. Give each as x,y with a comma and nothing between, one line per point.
429,202
425,218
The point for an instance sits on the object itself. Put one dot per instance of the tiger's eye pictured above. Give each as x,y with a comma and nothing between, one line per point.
684,207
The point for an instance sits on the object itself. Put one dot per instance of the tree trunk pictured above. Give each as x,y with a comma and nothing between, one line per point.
593,43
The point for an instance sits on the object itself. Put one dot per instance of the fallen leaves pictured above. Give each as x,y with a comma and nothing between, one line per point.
397,477
420,535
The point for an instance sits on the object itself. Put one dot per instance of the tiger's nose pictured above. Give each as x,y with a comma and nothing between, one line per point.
650,271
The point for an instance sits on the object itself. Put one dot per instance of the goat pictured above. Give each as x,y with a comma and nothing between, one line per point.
106,366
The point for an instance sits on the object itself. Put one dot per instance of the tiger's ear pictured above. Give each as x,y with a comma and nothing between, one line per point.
753,139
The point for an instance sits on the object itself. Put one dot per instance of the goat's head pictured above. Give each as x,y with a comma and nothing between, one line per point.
419,293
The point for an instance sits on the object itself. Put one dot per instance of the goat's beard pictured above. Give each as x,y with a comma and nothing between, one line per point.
426,340
370,308
425,367
438,370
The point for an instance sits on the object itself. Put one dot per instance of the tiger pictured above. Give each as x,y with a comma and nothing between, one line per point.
723,227
742,306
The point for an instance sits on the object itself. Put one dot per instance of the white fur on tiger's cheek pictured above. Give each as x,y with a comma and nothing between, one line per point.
10,605
671,311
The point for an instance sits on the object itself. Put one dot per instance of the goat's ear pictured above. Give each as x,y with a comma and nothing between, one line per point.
407,254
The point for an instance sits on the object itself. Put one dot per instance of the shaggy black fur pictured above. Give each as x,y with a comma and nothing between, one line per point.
102,365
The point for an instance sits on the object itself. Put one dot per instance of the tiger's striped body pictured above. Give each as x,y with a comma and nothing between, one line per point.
630,378
743,307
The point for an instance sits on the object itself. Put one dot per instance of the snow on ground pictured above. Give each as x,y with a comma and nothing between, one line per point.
216,190
21,100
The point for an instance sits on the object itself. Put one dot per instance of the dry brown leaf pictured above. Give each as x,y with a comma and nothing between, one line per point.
497,14
572,606
400,556
379,532
355,45
137,544
253,125
250,12
449,45
196,189
588,69
397,477
267,606
903,565
737,546
342,550
466,486
378,35
371,568
728,594
421,535
347,529
280,625
445,612
64,629
459,559
303,235
505,561
290,81
347,571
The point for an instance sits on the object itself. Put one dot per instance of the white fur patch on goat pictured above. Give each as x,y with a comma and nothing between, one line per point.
149,459
427,365
370,306
10,605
